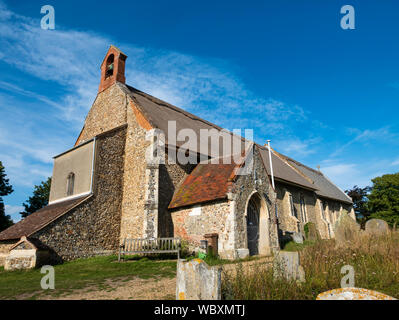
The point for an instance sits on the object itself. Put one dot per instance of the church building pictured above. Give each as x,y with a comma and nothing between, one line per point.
130,175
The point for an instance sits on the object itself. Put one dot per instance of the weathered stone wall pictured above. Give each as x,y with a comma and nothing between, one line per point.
192,223
242,190
134,184
170,175
288,221
93,227
227,217
108,111
5,247
114,107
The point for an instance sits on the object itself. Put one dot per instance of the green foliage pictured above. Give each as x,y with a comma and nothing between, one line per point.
306,229
5,189
83,273
293,246
39,199
384,198
360,199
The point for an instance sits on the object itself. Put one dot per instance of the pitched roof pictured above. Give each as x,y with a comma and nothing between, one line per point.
159,112
210,180
325,188
282,171
40,219
207,182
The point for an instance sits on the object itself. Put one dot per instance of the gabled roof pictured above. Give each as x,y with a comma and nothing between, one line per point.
325,188
159,112
207,182
40,219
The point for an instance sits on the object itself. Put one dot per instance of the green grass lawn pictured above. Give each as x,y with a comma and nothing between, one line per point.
83,273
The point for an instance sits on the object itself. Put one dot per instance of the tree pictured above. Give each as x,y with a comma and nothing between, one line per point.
360,200
384,198
39,199
5,189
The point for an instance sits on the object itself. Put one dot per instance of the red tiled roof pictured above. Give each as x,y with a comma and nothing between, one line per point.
40,219
207,182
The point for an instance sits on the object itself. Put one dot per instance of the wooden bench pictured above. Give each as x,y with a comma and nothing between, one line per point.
143,246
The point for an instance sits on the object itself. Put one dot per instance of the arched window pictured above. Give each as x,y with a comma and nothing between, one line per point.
109,71
70,183
303,209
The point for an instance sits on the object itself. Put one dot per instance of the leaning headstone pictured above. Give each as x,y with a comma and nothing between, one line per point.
311,232
198,281
346,229
297,237
353,294
376,227
287,265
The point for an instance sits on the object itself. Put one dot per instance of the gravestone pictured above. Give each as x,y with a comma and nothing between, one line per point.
377,227
353,294
297,237
311,232
198,281
346,229
287,265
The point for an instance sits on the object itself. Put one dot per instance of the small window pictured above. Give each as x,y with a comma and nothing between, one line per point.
109,71
293,210
70,183
303,209
323,206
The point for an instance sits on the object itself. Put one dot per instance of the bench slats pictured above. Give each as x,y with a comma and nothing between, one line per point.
159,245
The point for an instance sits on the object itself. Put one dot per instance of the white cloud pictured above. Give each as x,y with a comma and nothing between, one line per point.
14,211
294,147
367,137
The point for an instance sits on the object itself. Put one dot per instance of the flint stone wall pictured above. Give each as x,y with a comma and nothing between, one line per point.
213,218
287,221
241,192
93,227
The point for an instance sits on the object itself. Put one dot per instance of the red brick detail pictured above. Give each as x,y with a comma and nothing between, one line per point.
140,118
118,69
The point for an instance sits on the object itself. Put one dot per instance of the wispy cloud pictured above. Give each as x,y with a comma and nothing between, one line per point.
13,212
71,60
367,137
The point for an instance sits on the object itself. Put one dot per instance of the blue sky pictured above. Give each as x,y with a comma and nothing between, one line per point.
323,95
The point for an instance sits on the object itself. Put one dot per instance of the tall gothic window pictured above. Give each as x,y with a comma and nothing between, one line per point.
293,209
323,206
303,209
70,183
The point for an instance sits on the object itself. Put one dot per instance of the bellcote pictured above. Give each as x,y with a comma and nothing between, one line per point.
112,68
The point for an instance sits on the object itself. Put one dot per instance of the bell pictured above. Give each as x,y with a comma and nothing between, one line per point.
111,66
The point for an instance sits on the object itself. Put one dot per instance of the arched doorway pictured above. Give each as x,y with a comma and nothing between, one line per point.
257,225
253,227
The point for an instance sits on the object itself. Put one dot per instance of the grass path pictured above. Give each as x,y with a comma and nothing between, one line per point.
93,278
